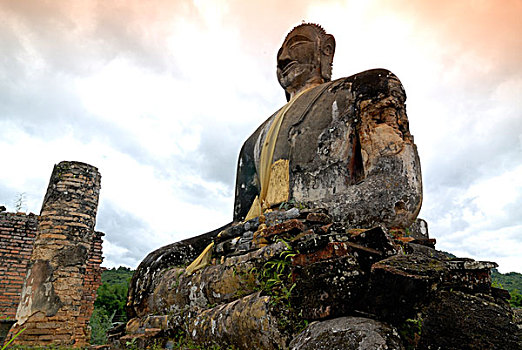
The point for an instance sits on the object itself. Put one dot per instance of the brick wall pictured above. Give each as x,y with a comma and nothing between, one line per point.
91,280
17,233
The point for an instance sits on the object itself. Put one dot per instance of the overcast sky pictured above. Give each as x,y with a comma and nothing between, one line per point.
160,95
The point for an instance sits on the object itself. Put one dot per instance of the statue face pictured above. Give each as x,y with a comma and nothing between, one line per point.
298,60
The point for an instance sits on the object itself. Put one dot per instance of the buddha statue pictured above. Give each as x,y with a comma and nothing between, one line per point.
341,145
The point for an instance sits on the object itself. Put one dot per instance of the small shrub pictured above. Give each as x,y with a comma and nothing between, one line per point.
410,332
516,299
100,323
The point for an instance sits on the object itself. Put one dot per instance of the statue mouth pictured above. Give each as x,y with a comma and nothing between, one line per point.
288,66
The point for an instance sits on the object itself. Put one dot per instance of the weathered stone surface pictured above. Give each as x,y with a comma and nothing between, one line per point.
247,323
177,292
346,141
177,254
411,279
319,217
356,272
17,234
64,269
398,283
43,297
347,333
419,229
344,150
404,284
376,238
457,320
328,282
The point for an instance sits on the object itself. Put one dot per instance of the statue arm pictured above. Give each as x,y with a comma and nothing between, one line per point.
391,185
247,184
370,172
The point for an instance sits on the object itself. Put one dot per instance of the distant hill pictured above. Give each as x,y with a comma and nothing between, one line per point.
511,281
120,275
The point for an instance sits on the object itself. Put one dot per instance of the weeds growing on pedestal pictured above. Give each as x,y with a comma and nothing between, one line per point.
13,338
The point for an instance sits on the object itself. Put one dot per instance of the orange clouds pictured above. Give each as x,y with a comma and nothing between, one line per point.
488,29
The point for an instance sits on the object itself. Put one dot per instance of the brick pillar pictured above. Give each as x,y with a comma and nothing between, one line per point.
51,304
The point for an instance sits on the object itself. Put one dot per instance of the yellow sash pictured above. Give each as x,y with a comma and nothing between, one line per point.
274,177
274,181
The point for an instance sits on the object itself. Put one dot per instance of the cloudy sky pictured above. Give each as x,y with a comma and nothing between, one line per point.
160,94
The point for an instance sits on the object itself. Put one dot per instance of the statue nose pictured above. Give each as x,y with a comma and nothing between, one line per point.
284,55
283,59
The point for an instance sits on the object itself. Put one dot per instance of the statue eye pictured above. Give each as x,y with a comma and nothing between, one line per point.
296,44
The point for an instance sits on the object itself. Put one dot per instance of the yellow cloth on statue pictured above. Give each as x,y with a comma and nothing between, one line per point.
274,178
273,191
201,261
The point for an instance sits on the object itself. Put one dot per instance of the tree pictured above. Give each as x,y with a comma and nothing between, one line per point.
109,306
516,299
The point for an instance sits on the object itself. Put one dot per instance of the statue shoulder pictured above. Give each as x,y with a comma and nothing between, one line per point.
371,84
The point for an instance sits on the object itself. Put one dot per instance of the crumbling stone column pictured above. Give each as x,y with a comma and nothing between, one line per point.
51,304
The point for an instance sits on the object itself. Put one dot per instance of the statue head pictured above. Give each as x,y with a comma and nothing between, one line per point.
305,57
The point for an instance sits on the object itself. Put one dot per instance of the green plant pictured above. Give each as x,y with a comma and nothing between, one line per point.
496,284
100,323
109,306
410,332
510,281
19,202
292,203
276,275
12,339
301,325
112,299
131,344
516,299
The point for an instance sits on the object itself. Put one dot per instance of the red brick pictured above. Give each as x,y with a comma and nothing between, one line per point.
332,250
287,226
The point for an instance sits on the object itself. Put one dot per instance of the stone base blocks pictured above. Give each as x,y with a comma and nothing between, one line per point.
296,279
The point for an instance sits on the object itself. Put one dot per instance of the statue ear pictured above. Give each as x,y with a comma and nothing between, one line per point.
327,51
328,45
